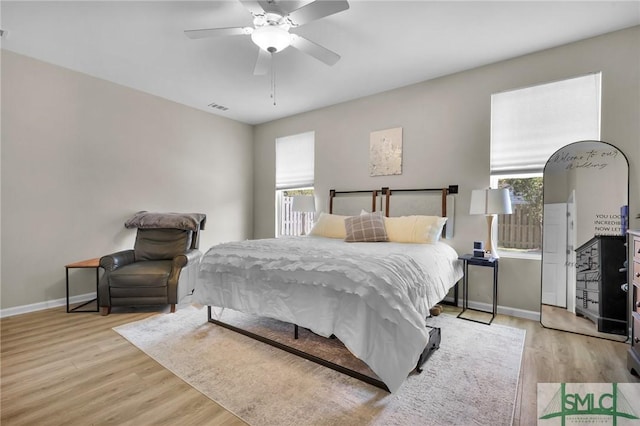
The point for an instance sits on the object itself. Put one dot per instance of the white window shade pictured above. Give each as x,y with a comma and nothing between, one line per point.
530,124
294,161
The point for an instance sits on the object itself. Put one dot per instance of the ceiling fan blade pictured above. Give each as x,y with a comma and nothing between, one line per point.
218,32
320,53
316,10
262,63
253,6
288,6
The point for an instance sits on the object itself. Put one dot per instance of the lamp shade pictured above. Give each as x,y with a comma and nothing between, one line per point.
304,203
271,38
490,201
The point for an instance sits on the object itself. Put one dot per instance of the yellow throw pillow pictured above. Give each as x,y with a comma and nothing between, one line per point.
330,226
414,229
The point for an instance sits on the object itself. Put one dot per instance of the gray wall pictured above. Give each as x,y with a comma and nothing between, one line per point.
446,125
80,155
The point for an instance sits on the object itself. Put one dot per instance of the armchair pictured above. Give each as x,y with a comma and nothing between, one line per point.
160,269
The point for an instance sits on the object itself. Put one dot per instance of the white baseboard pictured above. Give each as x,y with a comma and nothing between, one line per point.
8,312
504,310
17,310
518,313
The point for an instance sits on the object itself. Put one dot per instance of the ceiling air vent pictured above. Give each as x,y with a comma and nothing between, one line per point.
220,107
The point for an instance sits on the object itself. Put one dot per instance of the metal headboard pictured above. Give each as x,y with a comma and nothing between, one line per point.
375,193
384,196
451,189
447,203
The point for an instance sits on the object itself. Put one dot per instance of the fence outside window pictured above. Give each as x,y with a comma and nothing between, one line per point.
520,230
291,223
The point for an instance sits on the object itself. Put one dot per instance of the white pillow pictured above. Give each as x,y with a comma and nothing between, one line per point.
414,229
330,226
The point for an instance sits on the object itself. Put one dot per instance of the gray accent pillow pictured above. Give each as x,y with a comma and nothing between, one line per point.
367,227
186,221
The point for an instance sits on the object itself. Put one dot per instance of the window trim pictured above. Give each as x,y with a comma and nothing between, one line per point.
506,253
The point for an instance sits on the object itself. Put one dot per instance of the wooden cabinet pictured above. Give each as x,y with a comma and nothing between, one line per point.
600,277
633,356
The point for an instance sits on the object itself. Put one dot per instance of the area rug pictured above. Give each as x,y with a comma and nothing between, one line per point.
471,379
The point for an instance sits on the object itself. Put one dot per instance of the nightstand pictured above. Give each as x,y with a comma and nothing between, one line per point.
489,262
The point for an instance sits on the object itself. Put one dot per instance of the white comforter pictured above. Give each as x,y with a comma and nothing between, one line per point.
373,296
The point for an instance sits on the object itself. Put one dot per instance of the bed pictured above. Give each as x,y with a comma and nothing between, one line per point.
373,296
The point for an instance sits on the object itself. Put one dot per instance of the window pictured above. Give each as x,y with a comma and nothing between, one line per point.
527,126
294,176
522,230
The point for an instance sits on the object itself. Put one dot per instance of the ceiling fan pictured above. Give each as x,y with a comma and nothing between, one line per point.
272,21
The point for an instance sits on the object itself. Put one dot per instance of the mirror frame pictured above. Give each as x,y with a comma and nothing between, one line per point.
596,334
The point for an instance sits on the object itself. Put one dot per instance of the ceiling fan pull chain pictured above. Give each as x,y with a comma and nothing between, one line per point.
273,80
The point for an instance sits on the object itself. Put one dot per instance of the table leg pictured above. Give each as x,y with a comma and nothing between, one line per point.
465,287
97,298
97,294
465,297
495,289
67,269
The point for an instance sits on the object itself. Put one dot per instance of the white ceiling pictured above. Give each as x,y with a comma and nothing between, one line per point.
383,44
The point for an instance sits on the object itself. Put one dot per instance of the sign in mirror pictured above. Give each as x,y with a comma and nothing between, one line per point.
584,280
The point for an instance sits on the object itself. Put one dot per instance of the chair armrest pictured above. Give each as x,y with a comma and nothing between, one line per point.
189,257
187,262
113,261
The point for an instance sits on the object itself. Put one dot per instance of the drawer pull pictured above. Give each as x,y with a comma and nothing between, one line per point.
638,304
636,339
637,274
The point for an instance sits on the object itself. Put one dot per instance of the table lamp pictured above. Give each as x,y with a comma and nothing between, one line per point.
490,202
304,204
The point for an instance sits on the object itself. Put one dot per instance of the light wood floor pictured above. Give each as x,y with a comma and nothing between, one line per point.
72,369
556,317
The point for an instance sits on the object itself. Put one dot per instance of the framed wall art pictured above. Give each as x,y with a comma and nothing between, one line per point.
385,152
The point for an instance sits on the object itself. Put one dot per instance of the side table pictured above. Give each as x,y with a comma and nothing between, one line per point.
84,264
491,262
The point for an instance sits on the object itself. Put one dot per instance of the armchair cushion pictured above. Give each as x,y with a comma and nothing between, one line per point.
161,244
153,273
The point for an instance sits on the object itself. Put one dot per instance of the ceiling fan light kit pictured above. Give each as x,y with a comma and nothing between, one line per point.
271,38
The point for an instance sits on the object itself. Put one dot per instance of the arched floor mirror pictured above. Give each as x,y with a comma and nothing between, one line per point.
586,195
